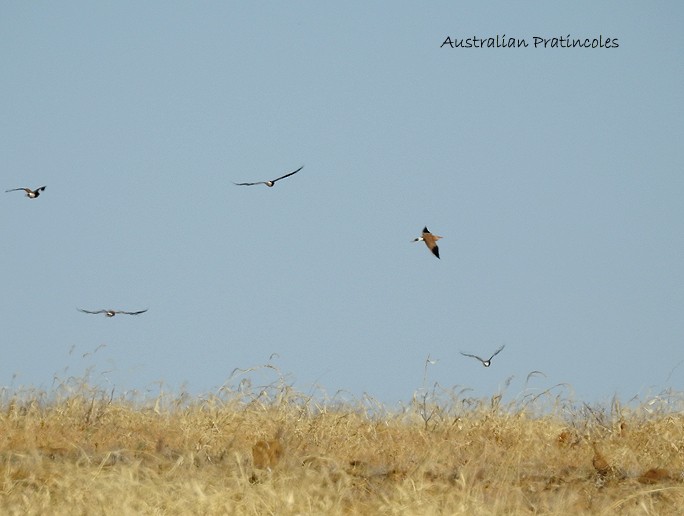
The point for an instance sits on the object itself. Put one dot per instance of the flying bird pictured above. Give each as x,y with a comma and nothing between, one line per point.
430,241
31,194
272,181
487,362
112,313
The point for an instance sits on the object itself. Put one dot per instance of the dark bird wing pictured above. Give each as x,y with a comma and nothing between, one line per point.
435,251
288,175
134,313
250,184
425,230
89,312
16,190
472,356
40,189
497,351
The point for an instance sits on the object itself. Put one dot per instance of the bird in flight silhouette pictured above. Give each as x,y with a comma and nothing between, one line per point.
272,181
487,362
112,313
430,241
31,194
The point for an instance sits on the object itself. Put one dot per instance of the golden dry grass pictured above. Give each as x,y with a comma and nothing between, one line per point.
81,450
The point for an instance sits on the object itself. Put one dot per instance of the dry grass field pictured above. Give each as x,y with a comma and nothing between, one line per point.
81,450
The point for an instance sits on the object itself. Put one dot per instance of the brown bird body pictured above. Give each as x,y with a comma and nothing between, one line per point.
430,241
601,465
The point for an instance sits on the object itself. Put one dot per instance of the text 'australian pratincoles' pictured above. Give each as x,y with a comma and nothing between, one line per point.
503,41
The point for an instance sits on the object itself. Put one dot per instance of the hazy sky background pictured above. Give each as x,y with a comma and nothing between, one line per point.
555,177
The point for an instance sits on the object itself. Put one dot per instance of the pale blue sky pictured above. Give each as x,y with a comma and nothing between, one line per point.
555,177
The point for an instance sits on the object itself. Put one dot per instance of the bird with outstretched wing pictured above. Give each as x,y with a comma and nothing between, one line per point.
430,241
487,362
31,194
272,181
112,313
